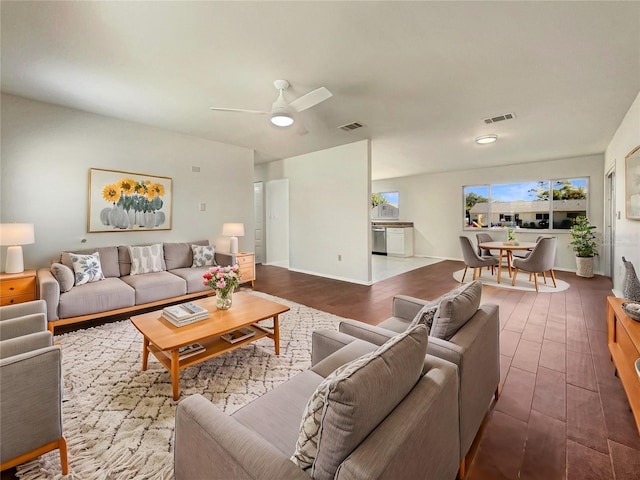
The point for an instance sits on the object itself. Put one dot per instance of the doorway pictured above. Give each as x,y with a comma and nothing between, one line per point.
610,217
258,213
277,223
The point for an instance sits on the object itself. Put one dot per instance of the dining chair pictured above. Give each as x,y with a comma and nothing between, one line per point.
473,260
484,238
541,260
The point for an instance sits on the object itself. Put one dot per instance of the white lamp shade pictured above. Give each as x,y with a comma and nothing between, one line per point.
233,229
16,234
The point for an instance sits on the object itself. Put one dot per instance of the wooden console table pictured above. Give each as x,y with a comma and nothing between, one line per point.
624,345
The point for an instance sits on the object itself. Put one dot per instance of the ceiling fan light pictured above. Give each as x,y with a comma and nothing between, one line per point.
281,119
485,139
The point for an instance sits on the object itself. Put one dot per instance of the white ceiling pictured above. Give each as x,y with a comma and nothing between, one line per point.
420,75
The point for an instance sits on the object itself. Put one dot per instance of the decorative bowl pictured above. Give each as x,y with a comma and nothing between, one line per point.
632,309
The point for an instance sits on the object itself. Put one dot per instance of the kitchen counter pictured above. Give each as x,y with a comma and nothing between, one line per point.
392,224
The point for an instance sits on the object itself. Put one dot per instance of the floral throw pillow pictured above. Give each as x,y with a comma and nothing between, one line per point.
86,268
203,255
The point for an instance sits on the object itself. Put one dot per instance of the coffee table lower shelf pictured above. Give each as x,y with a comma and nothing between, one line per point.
213,346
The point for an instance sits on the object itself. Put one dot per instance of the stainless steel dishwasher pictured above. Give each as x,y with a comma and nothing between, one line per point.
379,240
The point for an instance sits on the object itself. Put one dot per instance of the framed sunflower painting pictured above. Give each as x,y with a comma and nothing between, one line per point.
125,201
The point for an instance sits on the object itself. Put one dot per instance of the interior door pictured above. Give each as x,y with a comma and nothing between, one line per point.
258,207
277,222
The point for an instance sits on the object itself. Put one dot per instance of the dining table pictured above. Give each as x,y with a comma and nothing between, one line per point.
506,248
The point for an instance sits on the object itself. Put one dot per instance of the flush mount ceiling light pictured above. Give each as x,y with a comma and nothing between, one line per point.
484,139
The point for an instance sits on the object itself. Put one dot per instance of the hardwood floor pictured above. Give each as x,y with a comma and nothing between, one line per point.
562,413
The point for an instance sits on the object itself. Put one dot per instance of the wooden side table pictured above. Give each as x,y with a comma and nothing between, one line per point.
17,287
247,263
624,345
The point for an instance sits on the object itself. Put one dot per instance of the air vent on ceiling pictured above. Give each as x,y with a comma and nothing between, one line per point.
351,126
500,118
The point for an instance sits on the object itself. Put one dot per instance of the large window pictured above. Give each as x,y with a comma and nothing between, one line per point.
546,204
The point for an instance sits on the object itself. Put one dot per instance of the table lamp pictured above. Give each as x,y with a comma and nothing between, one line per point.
233,230
14,235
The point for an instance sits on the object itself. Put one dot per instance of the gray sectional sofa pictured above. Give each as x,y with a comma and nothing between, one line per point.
119,292
394,416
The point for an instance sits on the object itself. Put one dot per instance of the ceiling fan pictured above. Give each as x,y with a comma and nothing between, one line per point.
281,111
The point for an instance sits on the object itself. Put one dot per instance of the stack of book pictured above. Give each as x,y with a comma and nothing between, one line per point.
184,314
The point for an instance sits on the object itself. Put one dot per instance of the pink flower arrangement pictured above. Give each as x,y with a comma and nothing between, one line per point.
222,279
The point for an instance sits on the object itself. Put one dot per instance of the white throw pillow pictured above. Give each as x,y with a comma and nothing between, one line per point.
146,259
203,255
87,268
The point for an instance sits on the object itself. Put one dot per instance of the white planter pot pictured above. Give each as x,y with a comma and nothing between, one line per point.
585,266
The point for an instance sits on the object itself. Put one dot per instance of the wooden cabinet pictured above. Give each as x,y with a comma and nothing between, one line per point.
17,287
400,241
624,345
247,264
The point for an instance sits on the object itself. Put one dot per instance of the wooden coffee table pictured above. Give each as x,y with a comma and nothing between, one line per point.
163,339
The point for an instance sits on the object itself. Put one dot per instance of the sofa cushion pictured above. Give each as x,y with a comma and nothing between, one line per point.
86,268
354,399
193,278
152,287
147,259
455,310
108,259
96,297
179,254
203,256
64,275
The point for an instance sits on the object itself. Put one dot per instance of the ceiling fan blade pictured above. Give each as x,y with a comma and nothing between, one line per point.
311,99
237,110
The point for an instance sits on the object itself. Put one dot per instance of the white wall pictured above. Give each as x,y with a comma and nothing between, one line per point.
47,152
434,203
329,196
277,222
627,232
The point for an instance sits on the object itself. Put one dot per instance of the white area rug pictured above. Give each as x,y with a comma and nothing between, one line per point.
522,281
119,421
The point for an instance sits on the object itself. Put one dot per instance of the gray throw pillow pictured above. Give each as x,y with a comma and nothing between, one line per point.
428,312
64,276
353,400
456,310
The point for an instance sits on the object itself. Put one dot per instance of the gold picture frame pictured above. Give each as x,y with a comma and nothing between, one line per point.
632,184
128,202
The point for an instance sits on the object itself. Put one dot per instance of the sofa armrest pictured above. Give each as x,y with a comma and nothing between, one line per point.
225,259
25,325
325,342
356,348
22,309
25,343
406,307
366,332
210,444
31,410
49,291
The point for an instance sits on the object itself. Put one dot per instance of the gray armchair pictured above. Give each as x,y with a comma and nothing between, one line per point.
540,260
473,260
30,411
474,349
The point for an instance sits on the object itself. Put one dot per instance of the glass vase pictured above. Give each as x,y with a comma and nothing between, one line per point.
224,299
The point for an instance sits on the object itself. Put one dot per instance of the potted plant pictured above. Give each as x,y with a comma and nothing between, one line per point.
583,241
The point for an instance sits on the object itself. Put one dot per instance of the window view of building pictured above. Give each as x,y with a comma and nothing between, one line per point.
546,204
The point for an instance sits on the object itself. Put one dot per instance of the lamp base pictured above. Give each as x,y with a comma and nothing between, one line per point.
233,245
14,262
